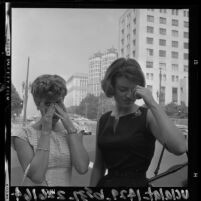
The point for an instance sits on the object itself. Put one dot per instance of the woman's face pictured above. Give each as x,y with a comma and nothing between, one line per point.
45,104
124,92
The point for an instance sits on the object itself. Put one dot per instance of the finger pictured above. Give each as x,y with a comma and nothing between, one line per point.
58,115
59,109
63,106
50,110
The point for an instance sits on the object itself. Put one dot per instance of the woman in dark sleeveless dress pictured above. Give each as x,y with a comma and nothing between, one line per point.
126,136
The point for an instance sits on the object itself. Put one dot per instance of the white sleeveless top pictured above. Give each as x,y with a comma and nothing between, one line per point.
60,165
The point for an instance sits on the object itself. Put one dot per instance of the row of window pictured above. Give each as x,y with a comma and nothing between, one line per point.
162,53
174,11
162,42
150,76
163,31
162,66
163,20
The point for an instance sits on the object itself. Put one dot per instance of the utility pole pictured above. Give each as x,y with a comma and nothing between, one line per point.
160,77
26,95
86,110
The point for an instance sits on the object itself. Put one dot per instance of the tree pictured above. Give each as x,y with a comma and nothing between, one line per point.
88,107
16,102
177,111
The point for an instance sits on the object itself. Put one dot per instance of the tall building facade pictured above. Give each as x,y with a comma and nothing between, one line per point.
158,39
77,89
98,65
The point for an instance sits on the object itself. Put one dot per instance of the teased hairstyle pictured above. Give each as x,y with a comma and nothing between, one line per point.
128,68
47,86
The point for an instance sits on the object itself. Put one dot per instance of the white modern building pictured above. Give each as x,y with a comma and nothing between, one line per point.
77,89
158,39
98,65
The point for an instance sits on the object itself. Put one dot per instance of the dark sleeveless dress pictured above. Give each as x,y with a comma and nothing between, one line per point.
127,152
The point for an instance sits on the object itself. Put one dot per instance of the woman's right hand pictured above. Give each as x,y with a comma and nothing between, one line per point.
47,119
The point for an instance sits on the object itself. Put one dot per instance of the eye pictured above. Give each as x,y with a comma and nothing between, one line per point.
47,104
122,89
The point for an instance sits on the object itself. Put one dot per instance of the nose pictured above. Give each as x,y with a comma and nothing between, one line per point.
129,94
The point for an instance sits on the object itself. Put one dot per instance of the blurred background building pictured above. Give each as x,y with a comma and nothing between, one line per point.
77,89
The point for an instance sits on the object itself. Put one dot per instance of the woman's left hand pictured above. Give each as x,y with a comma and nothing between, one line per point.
62,113
145,94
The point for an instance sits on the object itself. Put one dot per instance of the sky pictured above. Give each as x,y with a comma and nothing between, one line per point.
58,41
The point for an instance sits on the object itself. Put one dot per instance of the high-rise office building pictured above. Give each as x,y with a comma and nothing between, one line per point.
98,65
158,39
77,89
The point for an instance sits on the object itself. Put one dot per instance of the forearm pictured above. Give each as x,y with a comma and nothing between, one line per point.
79,155
96,175
39,163
170,134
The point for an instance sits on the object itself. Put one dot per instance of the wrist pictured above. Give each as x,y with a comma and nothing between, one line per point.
72,131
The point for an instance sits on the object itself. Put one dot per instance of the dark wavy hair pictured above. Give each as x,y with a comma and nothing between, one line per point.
47,86
122,67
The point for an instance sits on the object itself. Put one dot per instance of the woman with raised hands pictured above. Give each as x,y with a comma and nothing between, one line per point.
48,149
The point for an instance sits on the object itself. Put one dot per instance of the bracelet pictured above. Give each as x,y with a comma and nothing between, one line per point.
39,148
72,132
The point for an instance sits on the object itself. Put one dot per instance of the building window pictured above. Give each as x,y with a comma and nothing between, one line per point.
122,31
152,76
150,52
185,24
185,34
175,33
162,42
162,66
175,43
175,55
173,78
150,29
175,22
162,20
149,64
162,10
134,31
162,53
122,41
174,11
134,20
147,76
186,56
164,77
185,68
133,53
150,18
185,45
134,42
175,67
162,31
128,37
150,40
174,95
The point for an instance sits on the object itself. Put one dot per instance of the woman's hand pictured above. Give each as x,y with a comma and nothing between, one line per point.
145,94
47,119
61,112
